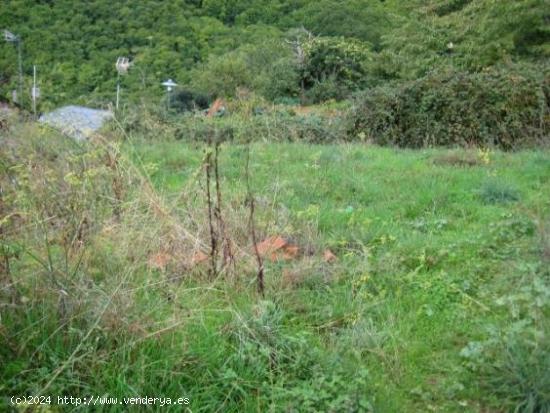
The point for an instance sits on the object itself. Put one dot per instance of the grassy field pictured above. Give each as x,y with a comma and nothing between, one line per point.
438,300
427,242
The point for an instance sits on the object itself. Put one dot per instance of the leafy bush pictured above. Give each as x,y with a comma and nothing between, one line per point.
343,58
277,126
451,6
506,108
512,363
222,75
493,192
327,89
187,100
267,67
291,368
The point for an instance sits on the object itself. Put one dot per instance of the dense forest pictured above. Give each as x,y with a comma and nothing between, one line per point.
284,50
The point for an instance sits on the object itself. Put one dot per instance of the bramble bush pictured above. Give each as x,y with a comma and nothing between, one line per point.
255,122
506,108
278,126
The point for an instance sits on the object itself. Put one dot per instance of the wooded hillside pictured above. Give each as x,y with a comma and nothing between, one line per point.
216,46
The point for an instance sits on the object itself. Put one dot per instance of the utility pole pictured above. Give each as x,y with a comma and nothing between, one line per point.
169,85
122,65
35,91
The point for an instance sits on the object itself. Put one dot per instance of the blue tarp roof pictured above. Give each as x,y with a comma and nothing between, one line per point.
78,122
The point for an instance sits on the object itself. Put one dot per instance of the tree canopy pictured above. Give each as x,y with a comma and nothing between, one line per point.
217,46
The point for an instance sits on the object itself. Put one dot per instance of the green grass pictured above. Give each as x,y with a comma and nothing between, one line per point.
435,240
426,249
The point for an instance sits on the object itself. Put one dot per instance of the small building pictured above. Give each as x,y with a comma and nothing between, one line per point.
77,122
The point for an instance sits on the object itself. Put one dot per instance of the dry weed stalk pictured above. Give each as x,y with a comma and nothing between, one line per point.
252,226
163,212
228,255
216,223
213,235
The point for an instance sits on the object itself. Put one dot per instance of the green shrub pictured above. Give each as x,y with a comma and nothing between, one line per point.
280,126
493,192
512,363
334,66
451,6
288,367
506,108
327,89
188,100
344,58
